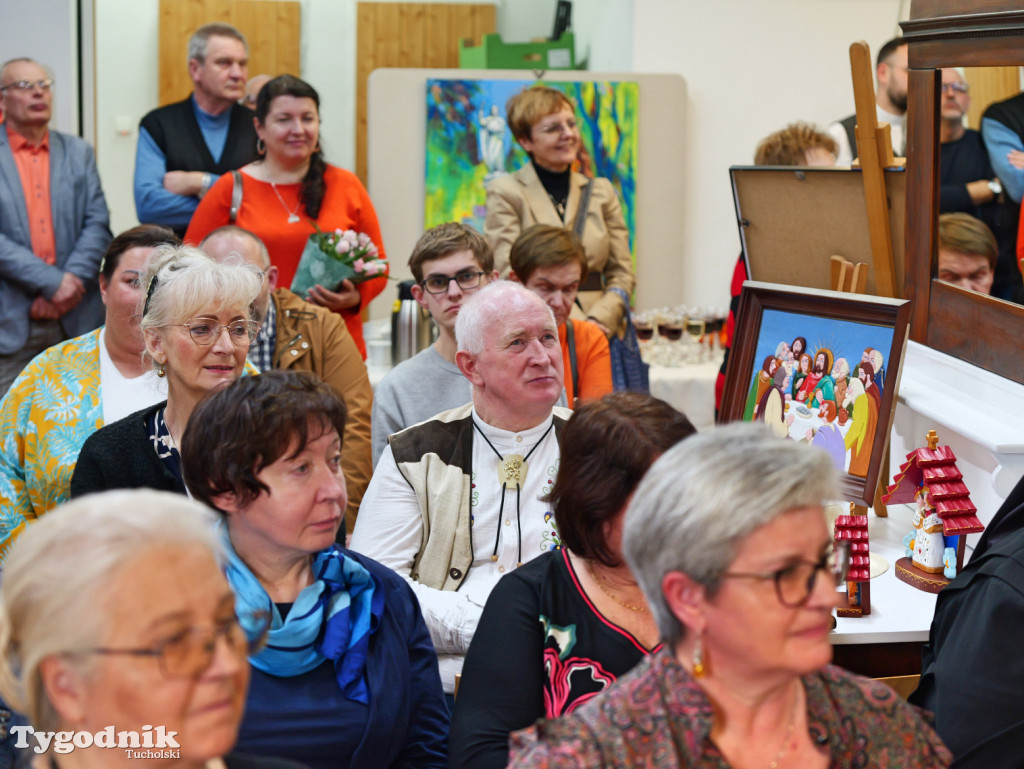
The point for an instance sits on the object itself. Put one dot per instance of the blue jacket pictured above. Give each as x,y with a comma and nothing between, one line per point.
81,228
407,724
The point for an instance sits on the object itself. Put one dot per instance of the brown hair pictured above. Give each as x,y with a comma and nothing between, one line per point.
530,105
967,235
789,146
606,448
140,236
445,239
235,433
543,245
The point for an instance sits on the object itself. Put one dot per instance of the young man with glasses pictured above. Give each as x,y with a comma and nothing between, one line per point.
54,224
449,262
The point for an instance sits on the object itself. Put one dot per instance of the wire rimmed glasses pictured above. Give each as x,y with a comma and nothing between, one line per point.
205,332
188,653
466,280
794,583
29,85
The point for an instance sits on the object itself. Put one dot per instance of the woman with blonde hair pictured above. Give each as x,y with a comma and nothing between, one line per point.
197,327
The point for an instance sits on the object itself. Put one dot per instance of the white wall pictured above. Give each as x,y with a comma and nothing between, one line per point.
57,49
750,67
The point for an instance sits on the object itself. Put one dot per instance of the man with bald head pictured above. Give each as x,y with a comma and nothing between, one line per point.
455,501
54,224
300,336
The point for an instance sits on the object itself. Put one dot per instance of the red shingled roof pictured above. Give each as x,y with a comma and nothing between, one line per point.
854,529
936,470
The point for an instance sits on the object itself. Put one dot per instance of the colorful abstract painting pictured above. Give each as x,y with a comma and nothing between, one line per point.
469,143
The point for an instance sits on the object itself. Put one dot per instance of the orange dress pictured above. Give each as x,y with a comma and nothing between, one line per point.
346,205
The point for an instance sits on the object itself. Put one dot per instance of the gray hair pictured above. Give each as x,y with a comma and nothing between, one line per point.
234,229
703,497
197,44
58,570
486,307
26,60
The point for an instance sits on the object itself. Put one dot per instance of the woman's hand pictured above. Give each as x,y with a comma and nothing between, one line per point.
345,298
607,331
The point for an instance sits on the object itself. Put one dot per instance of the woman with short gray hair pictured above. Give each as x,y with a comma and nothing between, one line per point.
726,535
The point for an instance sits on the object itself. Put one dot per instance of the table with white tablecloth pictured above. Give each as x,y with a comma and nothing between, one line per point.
690,388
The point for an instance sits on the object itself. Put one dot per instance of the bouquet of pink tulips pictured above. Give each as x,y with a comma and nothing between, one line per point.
331,257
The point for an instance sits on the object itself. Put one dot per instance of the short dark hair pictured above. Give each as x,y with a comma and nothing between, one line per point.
235,433
888,50
606,448
445,239
544,245
141,236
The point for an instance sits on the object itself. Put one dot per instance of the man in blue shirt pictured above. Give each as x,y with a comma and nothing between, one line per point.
1002,129
183,147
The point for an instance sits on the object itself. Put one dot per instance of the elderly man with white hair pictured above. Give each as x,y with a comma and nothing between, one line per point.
455,501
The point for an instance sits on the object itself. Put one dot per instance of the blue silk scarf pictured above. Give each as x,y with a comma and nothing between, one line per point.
331,619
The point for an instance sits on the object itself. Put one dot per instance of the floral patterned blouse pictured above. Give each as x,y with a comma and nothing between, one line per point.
657,716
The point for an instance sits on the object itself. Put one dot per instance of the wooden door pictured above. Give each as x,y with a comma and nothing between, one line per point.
271,27
410,35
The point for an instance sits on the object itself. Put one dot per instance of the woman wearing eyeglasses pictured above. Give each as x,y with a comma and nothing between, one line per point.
112,621
726,535
349,677
197,328
548,191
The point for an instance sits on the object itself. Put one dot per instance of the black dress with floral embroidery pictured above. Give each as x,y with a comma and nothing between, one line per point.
541,650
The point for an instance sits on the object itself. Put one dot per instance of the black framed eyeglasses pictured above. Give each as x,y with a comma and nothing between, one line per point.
188,653
28,85
795,583
206,332
438,284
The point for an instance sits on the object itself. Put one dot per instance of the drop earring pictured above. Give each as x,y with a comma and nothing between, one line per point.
699,668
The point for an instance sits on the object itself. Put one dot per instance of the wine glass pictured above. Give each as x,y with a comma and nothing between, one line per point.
696,325
644,323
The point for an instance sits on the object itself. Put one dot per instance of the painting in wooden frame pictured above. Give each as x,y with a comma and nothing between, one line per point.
847,410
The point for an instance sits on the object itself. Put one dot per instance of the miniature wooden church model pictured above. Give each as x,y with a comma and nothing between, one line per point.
944,516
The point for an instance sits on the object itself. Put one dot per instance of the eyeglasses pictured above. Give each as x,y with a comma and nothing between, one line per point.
188,653
957,87
28,85
438,284
795,583
206,332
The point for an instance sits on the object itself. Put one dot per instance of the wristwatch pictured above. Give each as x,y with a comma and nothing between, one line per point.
996,187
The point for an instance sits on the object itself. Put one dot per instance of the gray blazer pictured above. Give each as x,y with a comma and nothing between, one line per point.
81,226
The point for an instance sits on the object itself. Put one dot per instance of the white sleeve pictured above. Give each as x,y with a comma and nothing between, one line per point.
389,529
845,155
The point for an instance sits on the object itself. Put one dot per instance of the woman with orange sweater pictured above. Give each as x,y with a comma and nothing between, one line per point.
289,189
550,261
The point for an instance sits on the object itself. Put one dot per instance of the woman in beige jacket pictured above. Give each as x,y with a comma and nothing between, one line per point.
547,191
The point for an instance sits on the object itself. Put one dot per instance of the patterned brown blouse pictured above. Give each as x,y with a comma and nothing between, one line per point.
657,716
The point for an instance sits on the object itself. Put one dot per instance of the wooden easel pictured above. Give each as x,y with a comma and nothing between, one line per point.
874,150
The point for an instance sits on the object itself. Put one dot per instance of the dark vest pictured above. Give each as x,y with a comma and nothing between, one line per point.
849,125
176,132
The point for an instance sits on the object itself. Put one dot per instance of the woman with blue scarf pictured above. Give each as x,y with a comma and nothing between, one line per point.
348,678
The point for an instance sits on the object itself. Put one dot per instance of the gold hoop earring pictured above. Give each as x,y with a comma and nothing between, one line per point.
699,668
261,147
